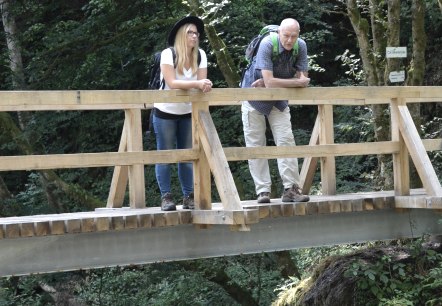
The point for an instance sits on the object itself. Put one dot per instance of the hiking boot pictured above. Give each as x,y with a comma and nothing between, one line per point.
188,202
294,194
264,197
167,202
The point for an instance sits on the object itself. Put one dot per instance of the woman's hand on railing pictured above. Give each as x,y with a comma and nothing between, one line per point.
205,85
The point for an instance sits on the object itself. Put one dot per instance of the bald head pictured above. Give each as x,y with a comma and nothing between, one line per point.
289,24
288,33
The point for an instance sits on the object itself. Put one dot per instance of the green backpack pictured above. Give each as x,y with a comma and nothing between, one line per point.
248,72
271,30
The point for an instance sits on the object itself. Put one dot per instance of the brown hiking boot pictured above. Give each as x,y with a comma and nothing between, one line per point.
188,202
264,197
167,203
294,194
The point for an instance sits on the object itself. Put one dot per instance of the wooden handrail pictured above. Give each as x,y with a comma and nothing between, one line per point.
207,152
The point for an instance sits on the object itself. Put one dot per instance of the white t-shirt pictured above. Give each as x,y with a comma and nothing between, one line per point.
178,108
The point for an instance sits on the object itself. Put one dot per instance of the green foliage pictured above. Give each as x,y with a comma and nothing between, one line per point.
23,291
353,64
190,283
393,282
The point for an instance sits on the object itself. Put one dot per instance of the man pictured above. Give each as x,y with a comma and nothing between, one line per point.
281,72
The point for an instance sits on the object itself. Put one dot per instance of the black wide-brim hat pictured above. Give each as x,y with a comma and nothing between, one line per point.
189,19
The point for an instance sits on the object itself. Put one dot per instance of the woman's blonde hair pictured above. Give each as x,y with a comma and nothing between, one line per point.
181,50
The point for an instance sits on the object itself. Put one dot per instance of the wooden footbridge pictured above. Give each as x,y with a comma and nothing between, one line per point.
131,233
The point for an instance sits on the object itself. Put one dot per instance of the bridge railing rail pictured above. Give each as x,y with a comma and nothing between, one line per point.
208,155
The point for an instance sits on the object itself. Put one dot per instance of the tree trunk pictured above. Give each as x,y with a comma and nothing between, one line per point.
394,11
50,181
223,58
416,71
362,30
15,59
4,191
372,72
379,41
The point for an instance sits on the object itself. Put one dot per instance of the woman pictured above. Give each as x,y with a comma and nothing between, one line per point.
183,67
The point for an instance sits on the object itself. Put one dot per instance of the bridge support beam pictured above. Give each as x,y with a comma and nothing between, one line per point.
141,246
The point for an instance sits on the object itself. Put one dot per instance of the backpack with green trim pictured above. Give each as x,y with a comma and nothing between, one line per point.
252,49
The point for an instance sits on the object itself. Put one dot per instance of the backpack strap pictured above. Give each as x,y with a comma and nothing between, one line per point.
275,47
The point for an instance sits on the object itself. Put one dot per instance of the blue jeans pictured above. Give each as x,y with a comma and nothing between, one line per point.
173,134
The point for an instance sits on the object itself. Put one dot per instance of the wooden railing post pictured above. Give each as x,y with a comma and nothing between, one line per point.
401,167
120,176
136,171
201,168
310,164
417,151
326,136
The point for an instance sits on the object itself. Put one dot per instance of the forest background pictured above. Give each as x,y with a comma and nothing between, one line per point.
109,45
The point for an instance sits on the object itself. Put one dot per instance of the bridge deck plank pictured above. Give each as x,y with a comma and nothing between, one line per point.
117,219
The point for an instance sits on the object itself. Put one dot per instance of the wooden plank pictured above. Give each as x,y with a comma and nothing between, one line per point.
42,228
326,136
218,162
251,216
275,210
172,219
159,219
434,202
300,208
432,144
401,167
312,208
2,232
357,205
288,209
120,176
57,227
131,222
201,169
145,221
264,211
324,207
418,154
117,223
73,226
109,99
219,217
322,150
316,93
310,164
137,197
88,225
335,206
185,217
410,202
346,205
91,160
102,224
423,202
27,229
12,230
